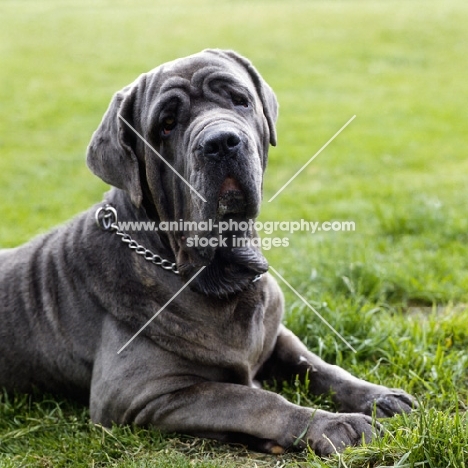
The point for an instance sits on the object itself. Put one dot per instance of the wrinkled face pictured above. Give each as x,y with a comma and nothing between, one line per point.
209,117
211,127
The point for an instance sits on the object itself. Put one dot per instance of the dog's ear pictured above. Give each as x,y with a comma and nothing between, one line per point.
110,153
266,94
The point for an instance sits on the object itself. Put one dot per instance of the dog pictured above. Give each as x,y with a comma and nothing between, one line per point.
186,141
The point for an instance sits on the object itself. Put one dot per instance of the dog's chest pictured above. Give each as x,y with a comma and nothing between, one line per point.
244,334
231,338
237,346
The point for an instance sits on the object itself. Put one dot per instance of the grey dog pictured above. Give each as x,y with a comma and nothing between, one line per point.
186,141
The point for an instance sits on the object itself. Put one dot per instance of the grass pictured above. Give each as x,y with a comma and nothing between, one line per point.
396,288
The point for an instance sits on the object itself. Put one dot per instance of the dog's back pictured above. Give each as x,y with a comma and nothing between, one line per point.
39,313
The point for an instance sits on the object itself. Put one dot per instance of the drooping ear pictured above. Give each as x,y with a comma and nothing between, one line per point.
110,153
266,94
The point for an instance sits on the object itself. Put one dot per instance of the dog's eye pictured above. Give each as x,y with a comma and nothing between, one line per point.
239,100
168,124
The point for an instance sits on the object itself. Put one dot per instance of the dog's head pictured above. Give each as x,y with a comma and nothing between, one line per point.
189,141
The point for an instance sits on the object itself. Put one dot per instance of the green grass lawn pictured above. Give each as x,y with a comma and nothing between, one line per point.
396,287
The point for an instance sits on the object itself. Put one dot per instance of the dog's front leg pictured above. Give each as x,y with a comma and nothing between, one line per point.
263,420
148,385
290,358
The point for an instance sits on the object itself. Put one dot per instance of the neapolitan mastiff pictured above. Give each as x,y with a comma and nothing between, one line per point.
72,298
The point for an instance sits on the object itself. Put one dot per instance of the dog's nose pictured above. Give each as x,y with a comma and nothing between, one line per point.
221,144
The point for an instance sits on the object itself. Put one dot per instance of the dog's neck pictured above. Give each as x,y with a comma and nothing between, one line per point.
231,270
154,240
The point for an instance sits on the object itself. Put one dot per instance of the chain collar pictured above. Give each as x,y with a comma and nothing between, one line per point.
106,219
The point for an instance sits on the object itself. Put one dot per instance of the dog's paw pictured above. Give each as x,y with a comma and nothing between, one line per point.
391,402
384,402
331,433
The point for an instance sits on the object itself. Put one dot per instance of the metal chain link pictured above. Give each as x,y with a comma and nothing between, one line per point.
106,219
